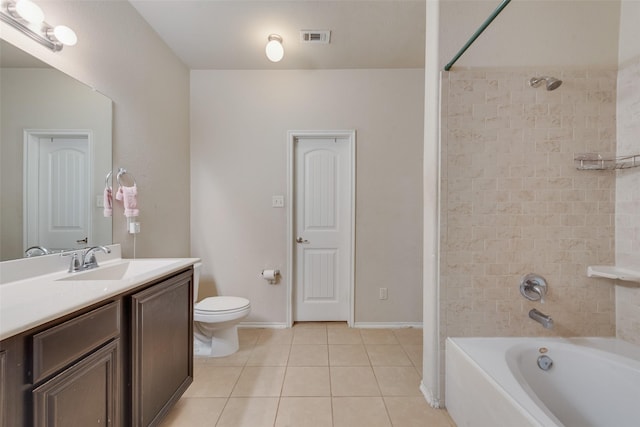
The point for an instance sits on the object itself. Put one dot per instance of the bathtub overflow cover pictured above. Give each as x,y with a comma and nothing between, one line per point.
543,350
544,362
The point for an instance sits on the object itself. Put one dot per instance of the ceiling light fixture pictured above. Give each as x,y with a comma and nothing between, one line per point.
274,49
28,18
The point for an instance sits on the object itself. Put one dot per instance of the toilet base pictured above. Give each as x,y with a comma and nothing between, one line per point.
223,342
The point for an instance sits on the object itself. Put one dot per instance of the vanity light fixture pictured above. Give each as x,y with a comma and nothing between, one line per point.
27,10
274,49
28,18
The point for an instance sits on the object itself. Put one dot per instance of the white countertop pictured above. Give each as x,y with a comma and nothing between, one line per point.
31,302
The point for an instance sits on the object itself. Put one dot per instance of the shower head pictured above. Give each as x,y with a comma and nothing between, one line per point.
552,82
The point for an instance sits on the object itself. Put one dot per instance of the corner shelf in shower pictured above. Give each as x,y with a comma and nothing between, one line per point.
594,161
627,274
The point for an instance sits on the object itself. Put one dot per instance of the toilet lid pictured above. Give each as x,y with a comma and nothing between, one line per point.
221,304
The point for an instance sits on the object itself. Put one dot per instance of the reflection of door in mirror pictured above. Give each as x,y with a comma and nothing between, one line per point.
57,179
35,96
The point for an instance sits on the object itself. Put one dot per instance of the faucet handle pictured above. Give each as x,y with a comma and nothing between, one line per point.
75,264
533,287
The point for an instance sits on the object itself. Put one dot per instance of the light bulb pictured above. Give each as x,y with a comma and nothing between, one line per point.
65,35
274,49
29,11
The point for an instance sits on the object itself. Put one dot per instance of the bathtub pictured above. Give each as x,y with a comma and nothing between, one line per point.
497,382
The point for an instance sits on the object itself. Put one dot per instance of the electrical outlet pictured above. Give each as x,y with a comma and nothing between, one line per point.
383,293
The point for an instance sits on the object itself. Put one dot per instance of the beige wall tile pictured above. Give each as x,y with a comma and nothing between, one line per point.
517,204
627,208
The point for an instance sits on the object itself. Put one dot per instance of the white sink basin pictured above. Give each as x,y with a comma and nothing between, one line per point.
124,270
111,272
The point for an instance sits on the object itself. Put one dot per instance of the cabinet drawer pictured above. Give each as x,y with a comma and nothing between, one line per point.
60,345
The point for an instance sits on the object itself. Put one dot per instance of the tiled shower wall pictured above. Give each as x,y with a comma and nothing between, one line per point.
513,202
628,201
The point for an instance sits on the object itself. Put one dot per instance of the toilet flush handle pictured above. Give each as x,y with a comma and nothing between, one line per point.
301,240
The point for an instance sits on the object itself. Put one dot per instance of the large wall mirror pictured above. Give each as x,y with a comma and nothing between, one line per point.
55,153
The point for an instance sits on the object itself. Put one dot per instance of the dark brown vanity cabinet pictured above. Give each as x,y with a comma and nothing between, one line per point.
83,395
161,348
81,357
122,362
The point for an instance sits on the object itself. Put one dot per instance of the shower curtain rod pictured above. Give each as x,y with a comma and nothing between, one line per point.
475,35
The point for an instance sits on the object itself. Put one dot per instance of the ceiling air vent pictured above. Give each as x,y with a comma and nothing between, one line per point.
315,36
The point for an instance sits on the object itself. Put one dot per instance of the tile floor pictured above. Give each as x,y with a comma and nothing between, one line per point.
312,375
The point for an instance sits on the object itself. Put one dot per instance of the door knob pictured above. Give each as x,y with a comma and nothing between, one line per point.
301,240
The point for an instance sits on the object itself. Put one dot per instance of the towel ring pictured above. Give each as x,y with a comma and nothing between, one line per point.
122,171
107,179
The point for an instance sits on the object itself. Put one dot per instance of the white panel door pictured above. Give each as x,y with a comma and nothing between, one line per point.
63,197
322,228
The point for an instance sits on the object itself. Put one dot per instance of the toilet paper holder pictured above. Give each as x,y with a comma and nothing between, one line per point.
270,276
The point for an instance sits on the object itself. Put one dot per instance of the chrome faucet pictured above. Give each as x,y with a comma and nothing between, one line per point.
36,251
89,258
541,318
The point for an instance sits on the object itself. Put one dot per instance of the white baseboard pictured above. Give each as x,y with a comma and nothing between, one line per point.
429,397
362,325
388,325
265,325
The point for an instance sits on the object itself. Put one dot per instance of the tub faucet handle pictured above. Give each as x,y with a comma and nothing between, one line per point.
533,287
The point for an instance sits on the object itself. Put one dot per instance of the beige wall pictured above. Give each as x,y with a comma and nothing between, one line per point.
628,181
239,124
119,55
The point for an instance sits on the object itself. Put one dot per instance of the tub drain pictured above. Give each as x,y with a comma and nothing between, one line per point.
544,362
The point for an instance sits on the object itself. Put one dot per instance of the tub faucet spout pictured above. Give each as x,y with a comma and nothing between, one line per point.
541,318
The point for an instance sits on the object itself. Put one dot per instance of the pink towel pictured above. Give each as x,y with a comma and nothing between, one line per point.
108,202
129,197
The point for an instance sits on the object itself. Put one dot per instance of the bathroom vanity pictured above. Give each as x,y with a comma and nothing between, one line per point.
114,347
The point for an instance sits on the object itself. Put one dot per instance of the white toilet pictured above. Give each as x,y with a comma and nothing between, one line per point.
215,321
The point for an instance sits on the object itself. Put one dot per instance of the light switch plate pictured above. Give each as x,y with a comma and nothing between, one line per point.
277,201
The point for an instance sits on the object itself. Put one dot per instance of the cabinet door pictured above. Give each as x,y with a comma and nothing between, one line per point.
83,395
3,384
161,348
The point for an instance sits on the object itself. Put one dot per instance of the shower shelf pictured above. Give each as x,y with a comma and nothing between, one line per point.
627,274
594,161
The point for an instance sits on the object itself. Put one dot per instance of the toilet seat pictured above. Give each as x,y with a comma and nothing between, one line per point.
221,305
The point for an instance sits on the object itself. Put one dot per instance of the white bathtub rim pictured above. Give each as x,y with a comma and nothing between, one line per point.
503,379
538,417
